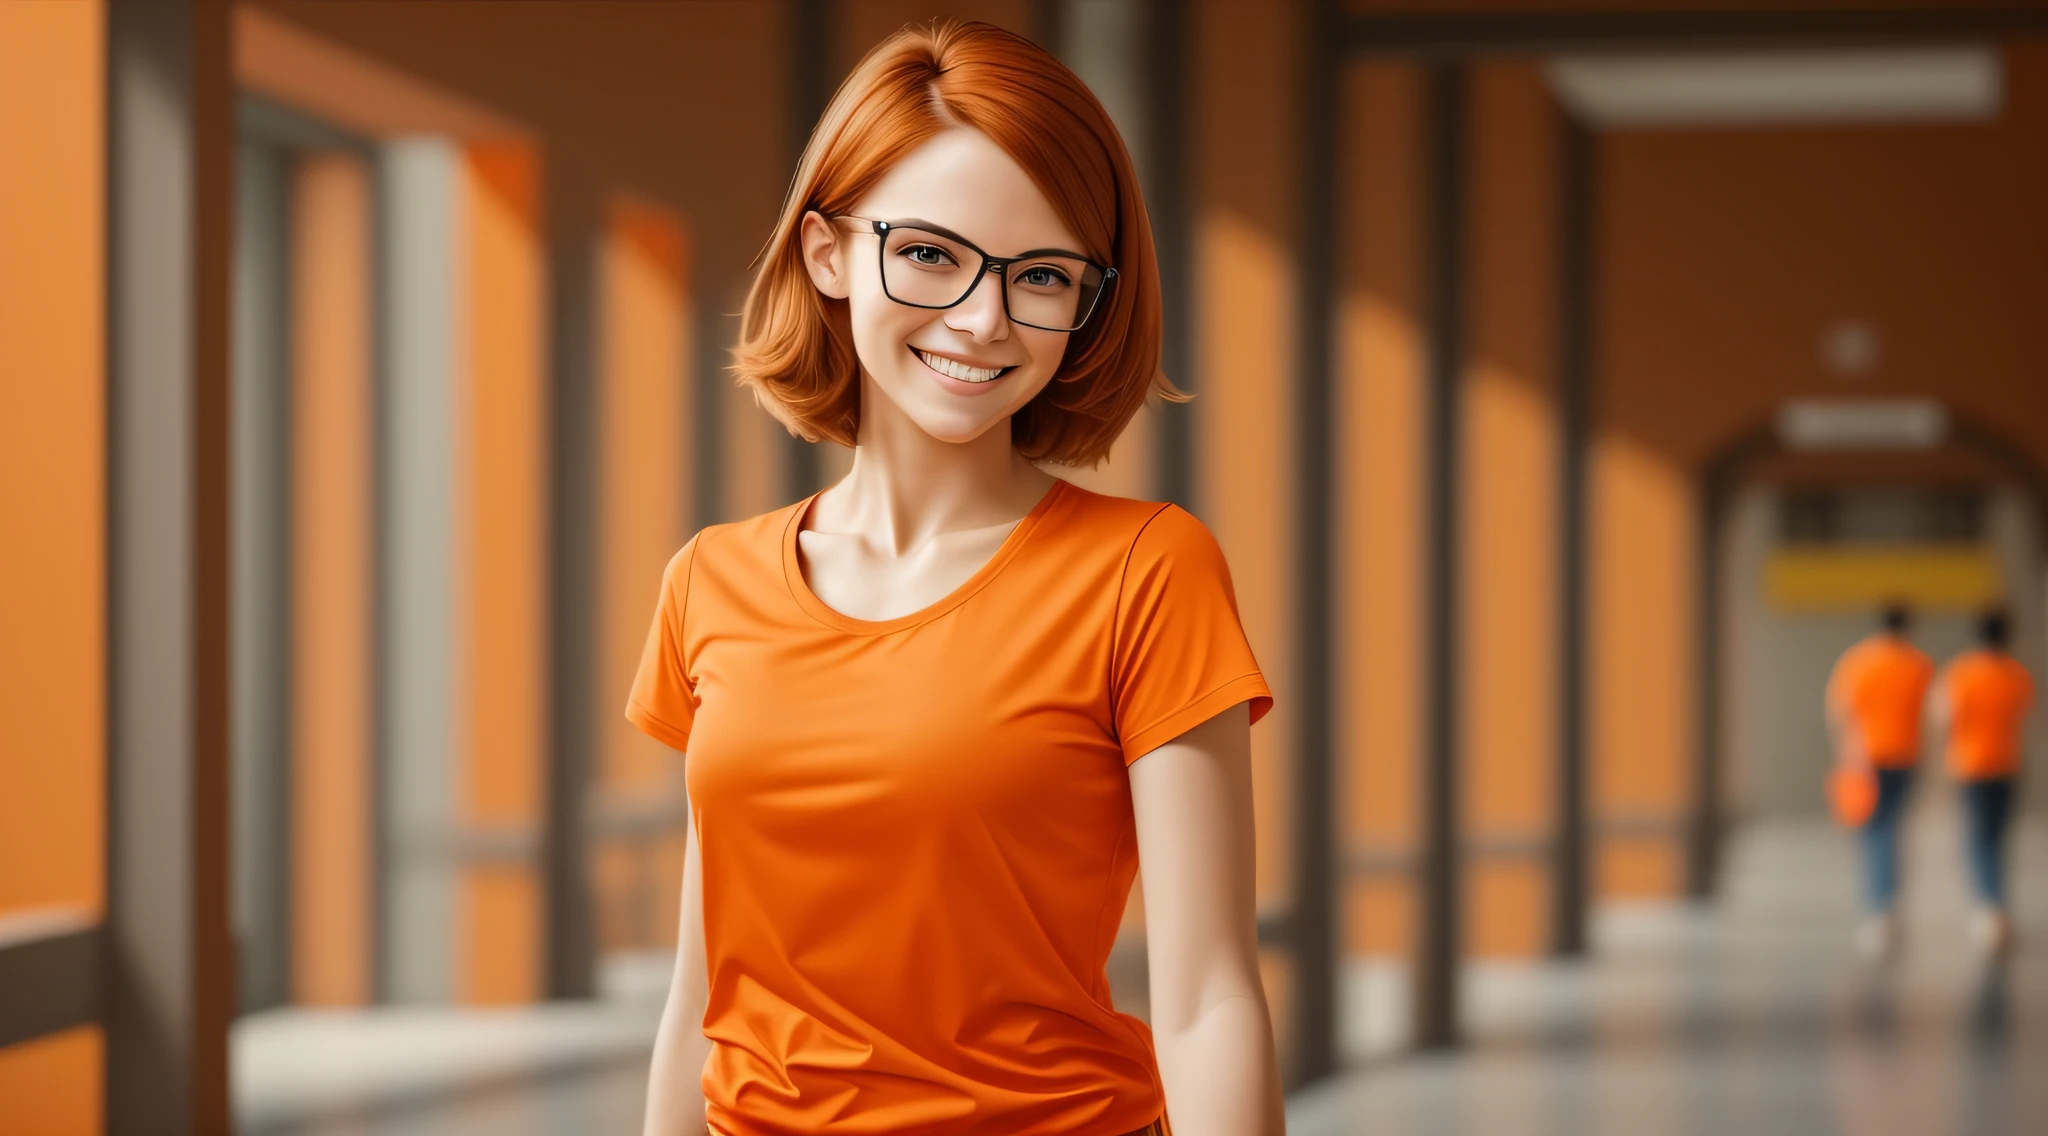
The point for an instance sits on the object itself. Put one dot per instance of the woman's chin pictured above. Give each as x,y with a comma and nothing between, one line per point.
956,430
944,418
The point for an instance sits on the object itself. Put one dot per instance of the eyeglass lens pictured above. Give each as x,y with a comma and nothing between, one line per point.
931,271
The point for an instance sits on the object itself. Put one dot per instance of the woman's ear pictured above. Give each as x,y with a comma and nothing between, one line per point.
819,240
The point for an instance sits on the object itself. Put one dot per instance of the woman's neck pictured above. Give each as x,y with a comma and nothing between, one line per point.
907,487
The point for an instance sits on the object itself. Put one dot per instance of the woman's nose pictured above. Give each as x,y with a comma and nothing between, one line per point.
981,314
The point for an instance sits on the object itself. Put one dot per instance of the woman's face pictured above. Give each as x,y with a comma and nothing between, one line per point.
954,371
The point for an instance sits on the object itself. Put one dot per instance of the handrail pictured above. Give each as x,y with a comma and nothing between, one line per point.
49,972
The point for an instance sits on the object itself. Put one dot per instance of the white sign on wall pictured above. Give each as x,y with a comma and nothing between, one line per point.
1862,424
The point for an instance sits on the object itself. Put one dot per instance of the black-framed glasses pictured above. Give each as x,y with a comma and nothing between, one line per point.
925,266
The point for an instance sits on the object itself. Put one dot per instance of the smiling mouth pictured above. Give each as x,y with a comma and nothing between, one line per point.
953,369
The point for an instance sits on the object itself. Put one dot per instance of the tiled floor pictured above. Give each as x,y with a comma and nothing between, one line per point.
1753,1016
530,1070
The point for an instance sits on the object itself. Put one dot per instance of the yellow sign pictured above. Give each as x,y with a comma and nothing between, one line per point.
1861,578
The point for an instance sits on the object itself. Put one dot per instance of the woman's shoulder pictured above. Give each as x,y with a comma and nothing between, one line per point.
1137,529
1108,512
745,547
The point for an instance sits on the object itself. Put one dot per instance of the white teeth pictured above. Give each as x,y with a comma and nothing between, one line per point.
954,370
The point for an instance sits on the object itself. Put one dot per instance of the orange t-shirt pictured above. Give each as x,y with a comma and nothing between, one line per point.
916,832
1881,683
1988,694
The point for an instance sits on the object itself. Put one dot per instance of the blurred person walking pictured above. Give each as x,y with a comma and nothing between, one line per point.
1981,704
1874,700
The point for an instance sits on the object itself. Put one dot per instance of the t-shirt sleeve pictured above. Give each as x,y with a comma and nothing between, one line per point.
664,698
1179,656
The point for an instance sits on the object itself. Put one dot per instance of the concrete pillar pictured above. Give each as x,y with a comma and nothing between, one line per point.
262,567
418,183
169,974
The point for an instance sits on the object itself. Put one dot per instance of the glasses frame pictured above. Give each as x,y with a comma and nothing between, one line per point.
997,264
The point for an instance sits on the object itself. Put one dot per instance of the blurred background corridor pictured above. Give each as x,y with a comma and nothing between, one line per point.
1573,384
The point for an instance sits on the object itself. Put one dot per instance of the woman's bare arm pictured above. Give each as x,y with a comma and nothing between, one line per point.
675,1085
1192,797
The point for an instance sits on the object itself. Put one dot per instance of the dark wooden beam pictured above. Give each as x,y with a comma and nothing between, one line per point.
1430,33
1049,25
1166,201
810,83
1707,816
1439,943
1568,867
1313,921
49,973
568,931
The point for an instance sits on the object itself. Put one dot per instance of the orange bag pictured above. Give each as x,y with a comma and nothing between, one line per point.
1852,791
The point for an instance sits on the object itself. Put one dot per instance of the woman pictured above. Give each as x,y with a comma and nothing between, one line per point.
938,715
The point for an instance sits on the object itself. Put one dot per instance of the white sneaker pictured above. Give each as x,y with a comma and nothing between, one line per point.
1877,937
1991,931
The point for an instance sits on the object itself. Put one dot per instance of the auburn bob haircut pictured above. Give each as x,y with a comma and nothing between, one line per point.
796,345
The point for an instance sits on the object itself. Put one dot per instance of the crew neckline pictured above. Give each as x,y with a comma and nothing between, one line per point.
800,588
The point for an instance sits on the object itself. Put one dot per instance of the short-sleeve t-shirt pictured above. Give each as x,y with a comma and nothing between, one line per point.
1881,684
916,833
1988,695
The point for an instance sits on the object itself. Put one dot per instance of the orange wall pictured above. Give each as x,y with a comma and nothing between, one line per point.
53,574
52,459
1726,252
1507,512
52,1084
1243,310
617,86
1640,666
619,90
1380,456
1242,199
646,358
1508,516
498,934
332,579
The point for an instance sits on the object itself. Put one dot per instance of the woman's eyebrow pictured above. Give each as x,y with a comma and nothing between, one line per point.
941,230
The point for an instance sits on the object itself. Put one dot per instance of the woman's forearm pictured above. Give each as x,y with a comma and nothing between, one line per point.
1221,1076
675,1083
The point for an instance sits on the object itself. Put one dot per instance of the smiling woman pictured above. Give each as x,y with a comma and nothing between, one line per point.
939,716
1003,107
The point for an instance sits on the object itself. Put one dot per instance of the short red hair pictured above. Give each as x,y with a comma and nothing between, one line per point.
796,347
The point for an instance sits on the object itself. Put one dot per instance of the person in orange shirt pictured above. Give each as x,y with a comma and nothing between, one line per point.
1874,700
937,717
1982,704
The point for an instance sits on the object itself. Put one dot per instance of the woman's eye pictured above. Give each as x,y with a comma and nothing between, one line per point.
928,256
1043,276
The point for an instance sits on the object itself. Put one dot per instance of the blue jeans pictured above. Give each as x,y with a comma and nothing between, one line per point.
1881,838
1989,805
